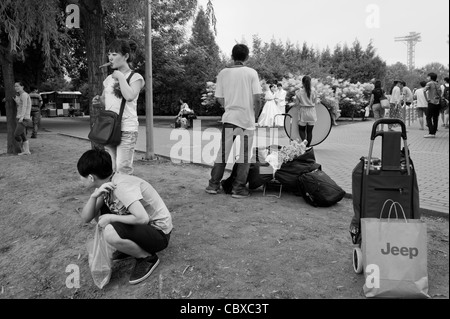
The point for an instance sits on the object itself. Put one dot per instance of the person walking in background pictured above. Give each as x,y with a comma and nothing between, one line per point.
407,95
270,109
238,90
23,117
307,116
334,106
121,54
433,94
375,103
36,105
407,99
395,101
445,96
422,104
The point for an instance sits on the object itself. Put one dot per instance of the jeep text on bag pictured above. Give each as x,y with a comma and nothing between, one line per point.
404,251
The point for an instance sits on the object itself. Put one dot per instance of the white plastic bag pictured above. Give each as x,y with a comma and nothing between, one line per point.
100,258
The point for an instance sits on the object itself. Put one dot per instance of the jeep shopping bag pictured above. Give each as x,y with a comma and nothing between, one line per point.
395,258
100,258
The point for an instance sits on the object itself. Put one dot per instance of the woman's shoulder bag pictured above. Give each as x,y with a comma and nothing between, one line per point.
107,128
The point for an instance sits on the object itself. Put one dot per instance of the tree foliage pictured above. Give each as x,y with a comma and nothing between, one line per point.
28,22
273,61
201,61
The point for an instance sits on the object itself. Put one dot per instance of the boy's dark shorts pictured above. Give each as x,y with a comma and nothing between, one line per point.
147,237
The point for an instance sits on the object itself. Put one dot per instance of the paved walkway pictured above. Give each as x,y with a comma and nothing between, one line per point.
338,154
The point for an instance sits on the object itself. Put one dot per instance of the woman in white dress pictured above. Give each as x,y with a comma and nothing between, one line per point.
270,108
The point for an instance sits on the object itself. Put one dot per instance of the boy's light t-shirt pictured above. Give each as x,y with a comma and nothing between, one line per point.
237,86
130,121
130,189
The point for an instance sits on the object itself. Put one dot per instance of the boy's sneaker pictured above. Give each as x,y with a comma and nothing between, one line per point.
212,190
241,194
118,256
430,136
143,269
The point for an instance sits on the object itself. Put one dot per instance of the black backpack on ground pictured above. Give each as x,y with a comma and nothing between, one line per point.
289,172
319,190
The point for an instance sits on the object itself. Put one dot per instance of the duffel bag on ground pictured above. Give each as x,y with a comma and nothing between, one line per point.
289,172
319,190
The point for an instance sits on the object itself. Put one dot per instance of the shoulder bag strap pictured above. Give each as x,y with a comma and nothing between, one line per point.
122,106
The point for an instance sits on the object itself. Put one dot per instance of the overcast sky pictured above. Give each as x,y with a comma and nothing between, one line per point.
323,23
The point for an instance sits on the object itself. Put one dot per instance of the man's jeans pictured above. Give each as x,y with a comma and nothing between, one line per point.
123,155
229,134
36,117
434,110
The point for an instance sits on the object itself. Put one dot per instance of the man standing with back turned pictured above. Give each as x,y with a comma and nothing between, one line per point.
238,90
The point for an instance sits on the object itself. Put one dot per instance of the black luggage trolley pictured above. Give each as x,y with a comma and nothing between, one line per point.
374,181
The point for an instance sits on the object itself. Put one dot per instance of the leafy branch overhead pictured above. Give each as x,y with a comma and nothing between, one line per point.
25,22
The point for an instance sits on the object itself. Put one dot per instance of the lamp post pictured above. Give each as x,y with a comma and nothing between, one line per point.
150,147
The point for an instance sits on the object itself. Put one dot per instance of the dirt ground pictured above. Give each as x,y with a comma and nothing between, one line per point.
257,248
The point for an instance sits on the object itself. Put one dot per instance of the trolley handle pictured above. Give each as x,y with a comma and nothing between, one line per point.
389,122
284,115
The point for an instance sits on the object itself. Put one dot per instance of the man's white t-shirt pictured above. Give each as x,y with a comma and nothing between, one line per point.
238,85
421,98
130,121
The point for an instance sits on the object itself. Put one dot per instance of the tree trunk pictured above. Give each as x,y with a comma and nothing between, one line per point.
6,62
94,30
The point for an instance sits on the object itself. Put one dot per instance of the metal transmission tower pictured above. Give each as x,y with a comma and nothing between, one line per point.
411,40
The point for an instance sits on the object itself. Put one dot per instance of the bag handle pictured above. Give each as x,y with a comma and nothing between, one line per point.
384,205
122,106
393,206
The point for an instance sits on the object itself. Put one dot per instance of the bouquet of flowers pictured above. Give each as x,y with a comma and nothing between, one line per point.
293,150
286,154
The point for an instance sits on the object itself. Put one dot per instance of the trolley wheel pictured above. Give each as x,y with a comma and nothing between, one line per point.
357,260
